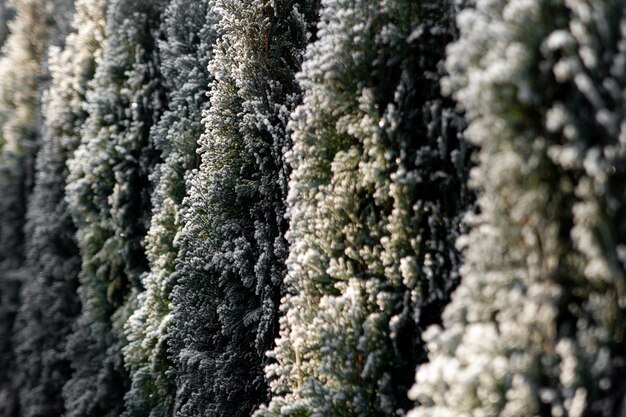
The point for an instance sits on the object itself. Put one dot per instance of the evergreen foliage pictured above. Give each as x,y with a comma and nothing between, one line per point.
21,68
375,204
35,26
185,54
49,303
108,193
537,326
235,208
232,250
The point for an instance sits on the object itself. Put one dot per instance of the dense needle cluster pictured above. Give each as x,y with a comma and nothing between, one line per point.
372,255
283,208
537,324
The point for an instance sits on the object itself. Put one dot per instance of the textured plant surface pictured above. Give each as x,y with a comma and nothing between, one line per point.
537,326
185,52
108,192
375,200
231,263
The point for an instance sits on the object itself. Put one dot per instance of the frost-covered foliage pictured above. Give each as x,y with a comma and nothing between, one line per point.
375,202
35,26
232,250
21,72
108,193
185,54
537,326
48,301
